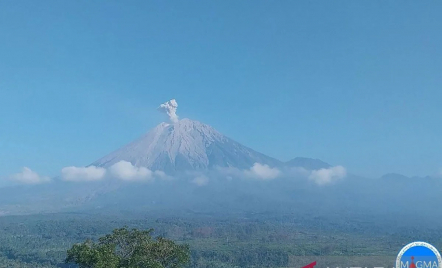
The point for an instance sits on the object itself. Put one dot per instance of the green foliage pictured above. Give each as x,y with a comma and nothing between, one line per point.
91,255
125,248
42,241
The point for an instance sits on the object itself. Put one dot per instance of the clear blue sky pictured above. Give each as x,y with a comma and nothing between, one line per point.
356,83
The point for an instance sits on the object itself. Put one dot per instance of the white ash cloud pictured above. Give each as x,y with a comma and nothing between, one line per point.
327,175
27,176
169,108
77,174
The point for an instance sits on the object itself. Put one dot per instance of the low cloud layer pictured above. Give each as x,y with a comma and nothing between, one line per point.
262,172
124,170
257,171
91,173
327,175
170,108
27,176
200,180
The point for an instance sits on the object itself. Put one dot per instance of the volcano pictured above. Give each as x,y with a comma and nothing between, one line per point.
186,145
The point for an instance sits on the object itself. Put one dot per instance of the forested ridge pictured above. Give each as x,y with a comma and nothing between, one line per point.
235,241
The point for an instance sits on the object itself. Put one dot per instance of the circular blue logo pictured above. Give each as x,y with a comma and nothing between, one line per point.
419,255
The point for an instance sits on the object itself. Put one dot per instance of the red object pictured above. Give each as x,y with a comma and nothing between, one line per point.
311,265
412,265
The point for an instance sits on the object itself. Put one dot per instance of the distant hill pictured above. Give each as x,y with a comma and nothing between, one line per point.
307,163
395,176
399,177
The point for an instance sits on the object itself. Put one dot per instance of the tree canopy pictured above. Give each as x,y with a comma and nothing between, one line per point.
125,248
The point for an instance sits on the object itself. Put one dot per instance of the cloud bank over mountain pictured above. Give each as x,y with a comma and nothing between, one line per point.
76,174
27,176
325,176
124,170
263,172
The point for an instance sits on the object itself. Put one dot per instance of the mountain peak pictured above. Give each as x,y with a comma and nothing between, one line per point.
185,145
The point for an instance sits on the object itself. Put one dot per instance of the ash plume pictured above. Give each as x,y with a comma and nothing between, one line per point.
169,108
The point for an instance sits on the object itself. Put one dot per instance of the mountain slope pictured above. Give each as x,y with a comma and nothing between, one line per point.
186,145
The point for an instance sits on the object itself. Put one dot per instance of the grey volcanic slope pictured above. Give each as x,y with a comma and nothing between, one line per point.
186,145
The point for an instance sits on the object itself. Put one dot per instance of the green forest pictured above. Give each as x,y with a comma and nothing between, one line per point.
36,241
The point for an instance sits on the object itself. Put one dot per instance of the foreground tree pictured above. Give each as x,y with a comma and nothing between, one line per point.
126,248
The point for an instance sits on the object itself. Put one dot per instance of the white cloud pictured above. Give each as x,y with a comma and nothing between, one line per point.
263,172
91,173
200,180
297,172
328,175
27,176
257,171
124,170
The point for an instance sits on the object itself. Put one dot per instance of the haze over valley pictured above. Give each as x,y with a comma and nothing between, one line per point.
186,165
